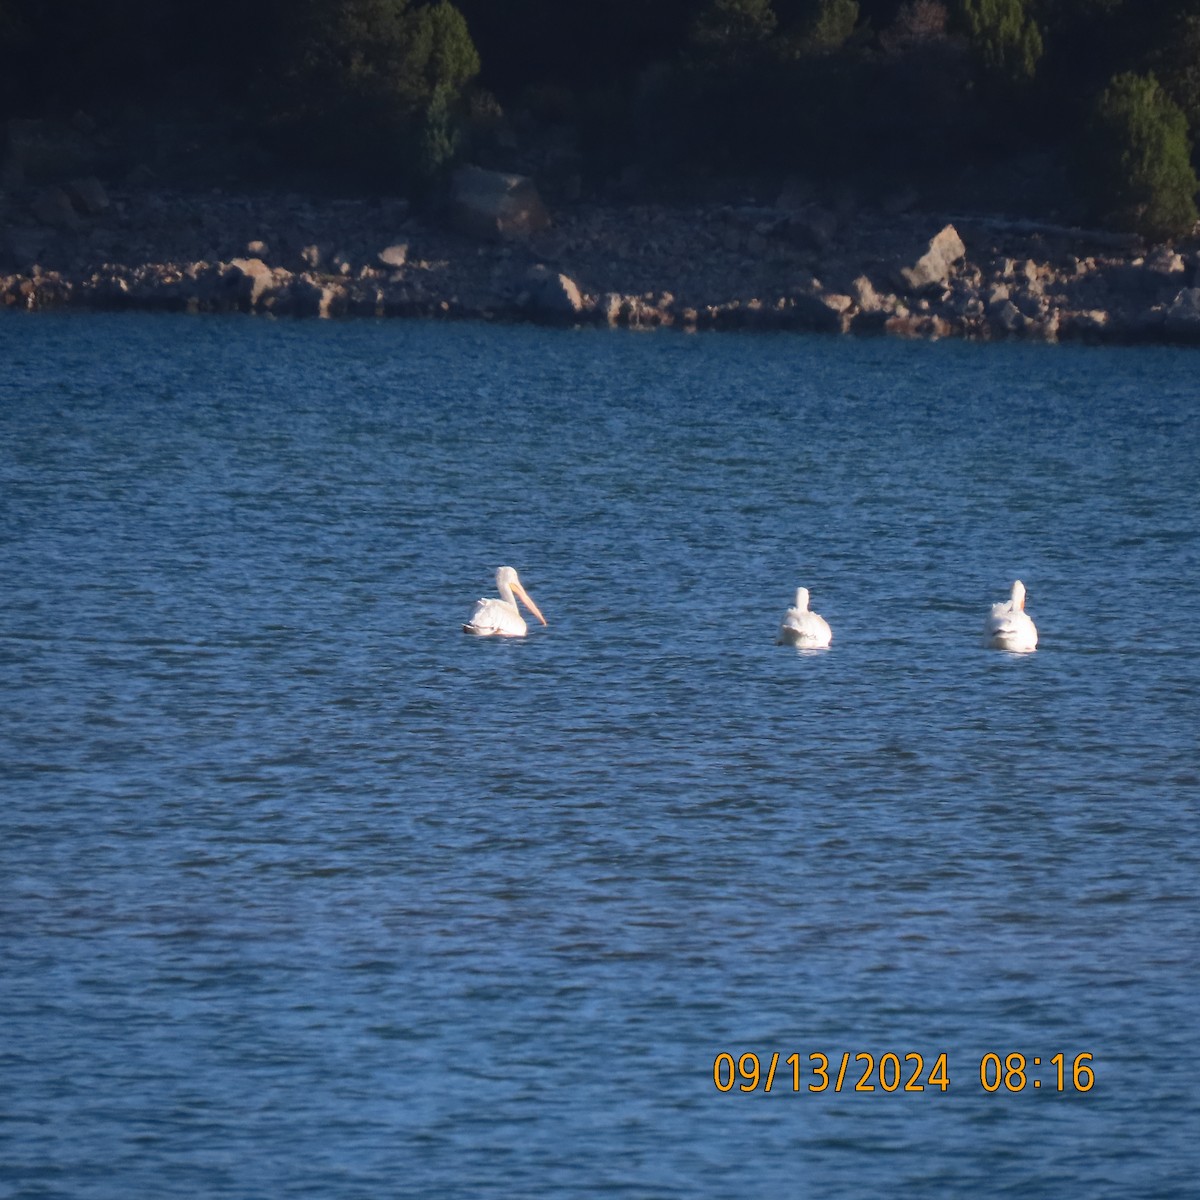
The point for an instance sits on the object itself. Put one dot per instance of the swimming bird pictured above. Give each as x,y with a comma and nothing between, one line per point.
501,618
803,628
1009,626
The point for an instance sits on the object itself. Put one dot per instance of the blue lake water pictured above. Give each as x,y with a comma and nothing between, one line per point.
305,893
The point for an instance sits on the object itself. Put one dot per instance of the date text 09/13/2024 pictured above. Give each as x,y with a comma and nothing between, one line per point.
864,1072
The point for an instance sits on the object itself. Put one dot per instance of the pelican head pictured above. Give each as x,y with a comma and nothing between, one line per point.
1018,596
802,599
510,586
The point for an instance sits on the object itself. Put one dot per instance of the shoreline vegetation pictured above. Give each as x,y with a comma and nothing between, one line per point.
981,169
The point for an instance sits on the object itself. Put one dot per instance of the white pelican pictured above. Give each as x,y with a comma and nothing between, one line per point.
803,628
500,618
1009,626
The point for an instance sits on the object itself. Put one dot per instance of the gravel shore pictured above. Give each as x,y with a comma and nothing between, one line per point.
800,266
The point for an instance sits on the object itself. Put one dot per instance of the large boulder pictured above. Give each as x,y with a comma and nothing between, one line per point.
250,280
551,295
394,255
812,227
496,205
933,267
52,206
87,196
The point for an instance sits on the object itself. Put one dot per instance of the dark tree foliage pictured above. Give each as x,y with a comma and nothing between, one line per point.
873,92
1175,61
564,43
729,26
373,87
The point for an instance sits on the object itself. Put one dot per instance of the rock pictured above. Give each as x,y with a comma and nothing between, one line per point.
1007,317
1140,324
492,204
53,207
88,196
205,284
647,312
22,246
306,296
1137,284
813,311
250,278
1183,316
1087,325
812,227
258,249
335,301
395,255
865,296
1046,328
997,294
1032,304
906,325
551,294
1165,261
934,266
867,323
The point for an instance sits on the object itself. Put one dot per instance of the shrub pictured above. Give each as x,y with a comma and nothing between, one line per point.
1138,166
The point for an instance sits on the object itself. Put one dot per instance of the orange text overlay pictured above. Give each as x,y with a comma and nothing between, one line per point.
1009,1071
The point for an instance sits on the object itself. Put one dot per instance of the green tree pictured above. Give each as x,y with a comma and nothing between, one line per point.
1005,37
731,24
376,86
1138,166
438,139
832,24
816,26
442,48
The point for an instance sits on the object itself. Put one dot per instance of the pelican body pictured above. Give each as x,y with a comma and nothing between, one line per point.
802,628
501,618
1009,626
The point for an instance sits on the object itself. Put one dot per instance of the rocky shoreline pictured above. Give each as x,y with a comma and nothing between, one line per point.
793,264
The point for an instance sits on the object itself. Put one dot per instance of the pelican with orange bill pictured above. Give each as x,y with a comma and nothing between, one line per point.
502,618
